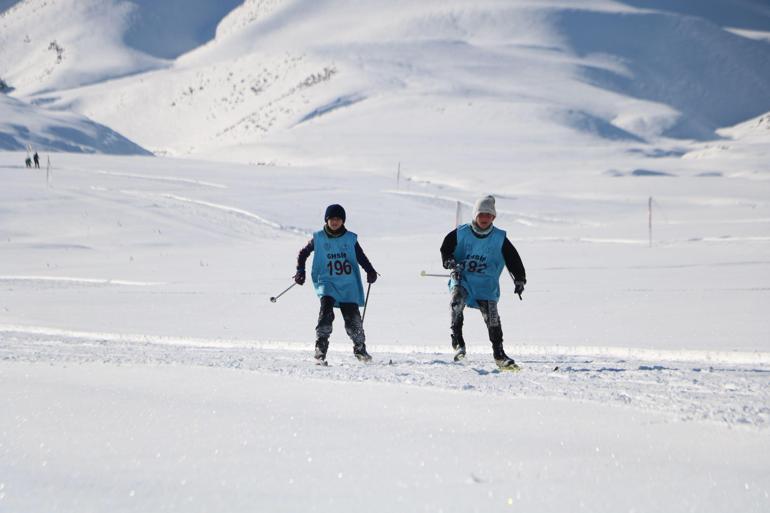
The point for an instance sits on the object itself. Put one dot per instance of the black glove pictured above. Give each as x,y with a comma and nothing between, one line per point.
371,276
450,263
519,287
299,278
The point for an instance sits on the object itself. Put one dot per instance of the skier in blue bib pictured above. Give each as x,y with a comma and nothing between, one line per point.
337,280
476,254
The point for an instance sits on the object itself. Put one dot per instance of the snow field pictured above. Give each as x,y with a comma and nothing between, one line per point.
219,243
196,439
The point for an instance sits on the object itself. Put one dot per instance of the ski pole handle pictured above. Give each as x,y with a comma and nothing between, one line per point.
273,299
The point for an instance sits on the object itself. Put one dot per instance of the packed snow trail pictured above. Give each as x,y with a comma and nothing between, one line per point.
698,390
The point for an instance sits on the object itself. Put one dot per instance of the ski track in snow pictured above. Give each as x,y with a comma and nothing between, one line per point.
172,179
66,280
240,213
686,385
249,218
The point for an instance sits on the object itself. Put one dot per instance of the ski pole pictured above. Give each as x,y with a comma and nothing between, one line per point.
275,298
455,271
366,302
514,283
423,273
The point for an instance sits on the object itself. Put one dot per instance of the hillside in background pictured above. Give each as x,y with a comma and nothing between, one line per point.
495,83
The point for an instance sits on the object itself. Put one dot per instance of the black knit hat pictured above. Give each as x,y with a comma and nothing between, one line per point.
334,211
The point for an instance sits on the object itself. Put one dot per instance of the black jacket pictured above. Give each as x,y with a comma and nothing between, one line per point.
510,255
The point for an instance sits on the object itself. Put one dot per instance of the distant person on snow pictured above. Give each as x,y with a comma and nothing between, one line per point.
28,162
476,253
337,281
36,158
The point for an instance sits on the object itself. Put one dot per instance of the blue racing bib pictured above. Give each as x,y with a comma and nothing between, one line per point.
481,263
335,269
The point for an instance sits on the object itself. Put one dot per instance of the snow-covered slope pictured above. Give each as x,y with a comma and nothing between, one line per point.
710,76
23,125
744,149
753,15
49,46
67,43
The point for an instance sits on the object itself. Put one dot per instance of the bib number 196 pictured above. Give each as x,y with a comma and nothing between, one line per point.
339,267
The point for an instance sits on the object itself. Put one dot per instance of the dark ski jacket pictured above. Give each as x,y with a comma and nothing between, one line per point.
510,255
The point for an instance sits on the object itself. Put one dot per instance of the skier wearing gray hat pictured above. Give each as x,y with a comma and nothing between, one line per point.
476,254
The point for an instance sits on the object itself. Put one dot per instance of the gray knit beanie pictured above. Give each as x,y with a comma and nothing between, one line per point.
485,205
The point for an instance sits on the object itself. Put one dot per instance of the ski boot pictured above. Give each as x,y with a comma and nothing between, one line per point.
503,361
321,346
360,351
458,344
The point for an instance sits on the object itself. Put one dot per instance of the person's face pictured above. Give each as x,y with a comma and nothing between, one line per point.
334,223
484,220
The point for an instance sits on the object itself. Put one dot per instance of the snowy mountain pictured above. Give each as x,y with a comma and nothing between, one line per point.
246,82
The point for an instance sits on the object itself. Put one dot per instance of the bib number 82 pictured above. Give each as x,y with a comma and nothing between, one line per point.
475,267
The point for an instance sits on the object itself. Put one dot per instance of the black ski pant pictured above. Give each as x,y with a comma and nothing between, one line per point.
488,313
350,313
